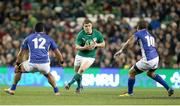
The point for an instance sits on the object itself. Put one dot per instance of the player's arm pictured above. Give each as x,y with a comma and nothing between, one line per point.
78,47
56,51
100,45
59,56
20,56
23,50
85,47
19,60
129,41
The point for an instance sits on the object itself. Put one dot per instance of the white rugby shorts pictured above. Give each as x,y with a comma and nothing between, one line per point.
144,65
79,59
43,68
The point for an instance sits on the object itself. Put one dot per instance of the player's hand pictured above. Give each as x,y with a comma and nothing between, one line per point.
92,46
62,64
88,47
95,43
118,53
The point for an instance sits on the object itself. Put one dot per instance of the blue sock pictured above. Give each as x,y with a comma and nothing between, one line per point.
131,82
13,87
161,81
56,89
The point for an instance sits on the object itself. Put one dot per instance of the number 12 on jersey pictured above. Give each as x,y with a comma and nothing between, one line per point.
150,40
42,42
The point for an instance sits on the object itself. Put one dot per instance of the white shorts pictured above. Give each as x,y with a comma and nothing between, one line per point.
44,68
144,65
78,60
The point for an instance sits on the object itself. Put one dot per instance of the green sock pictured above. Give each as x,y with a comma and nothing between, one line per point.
79,81
75,78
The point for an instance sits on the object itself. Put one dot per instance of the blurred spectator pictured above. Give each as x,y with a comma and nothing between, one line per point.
155,23
63,21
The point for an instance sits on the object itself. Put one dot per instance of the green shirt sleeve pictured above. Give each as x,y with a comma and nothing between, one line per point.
100,38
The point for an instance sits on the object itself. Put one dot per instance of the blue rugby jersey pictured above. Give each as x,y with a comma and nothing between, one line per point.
39,44
147,43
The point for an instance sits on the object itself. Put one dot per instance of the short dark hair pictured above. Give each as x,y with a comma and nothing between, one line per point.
87,21
142,24
39,27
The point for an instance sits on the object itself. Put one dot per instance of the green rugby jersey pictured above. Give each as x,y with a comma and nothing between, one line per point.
82,39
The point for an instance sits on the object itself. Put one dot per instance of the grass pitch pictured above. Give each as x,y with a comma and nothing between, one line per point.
89,96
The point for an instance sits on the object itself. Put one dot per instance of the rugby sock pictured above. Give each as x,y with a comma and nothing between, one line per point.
161,81
79,81
13,87
75,78
56,89
131,82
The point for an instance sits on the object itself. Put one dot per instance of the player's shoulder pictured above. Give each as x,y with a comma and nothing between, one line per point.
143,31
81,32
97,32
47,37
140,32
44,35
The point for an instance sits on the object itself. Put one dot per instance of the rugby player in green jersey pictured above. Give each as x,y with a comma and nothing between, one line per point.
87,42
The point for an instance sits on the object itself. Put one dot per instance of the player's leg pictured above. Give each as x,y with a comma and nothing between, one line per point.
12,89
158,78
77,63
45,69
17,77
153,65
131,80
76,68
86,63
135,70
52,82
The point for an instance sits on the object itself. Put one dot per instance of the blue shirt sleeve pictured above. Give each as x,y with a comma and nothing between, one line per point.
136,36
53,45
25,44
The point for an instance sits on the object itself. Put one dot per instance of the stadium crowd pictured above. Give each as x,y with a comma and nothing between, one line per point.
17,18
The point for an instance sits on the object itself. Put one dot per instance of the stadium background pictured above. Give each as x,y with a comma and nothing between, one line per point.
114,18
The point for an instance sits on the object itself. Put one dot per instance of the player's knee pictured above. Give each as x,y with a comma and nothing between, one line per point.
76,70
150,74
81,70
132,73
47,75
19,69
